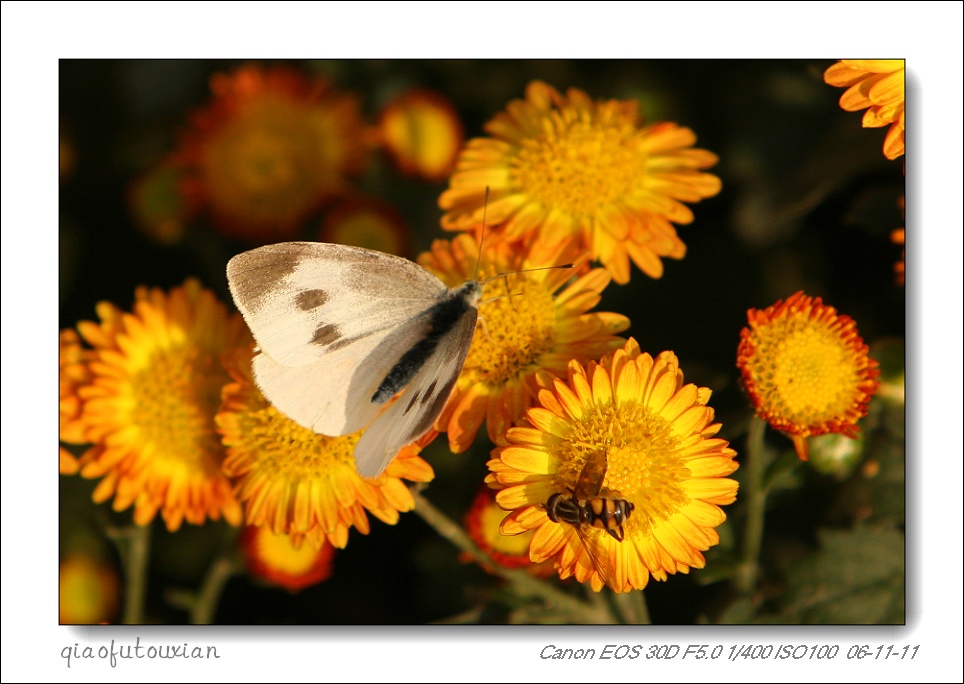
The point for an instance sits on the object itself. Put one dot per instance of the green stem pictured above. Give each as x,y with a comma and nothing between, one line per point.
754,493
577,610
632,608
134,545
209,595
602,604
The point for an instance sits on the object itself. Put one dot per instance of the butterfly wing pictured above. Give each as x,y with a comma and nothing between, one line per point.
415,411
303,300
330,321
333,395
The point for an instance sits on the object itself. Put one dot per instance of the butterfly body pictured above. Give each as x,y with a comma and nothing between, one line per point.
441,318
342,330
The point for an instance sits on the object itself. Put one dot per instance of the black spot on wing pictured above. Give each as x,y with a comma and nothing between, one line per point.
432,413
416,394
411,402
311,299
326,334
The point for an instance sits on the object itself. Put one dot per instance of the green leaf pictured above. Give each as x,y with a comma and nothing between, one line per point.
857,577
876,492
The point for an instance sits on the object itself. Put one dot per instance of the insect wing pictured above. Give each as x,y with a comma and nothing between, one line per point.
599,541
303,300
414,413
595,545
332,395
330,321
592,475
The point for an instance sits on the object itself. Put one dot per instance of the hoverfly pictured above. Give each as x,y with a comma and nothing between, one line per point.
588,506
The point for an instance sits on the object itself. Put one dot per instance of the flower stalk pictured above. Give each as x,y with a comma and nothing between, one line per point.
205,605
133,544
753,492
576,610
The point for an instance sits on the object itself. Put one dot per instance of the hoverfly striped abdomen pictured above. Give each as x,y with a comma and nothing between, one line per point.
606,512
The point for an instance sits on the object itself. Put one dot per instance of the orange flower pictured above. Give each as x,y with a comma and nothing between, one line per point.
270,148
565,166
532,321
483,522
806,369
625,435
367,223
897,237
422,133
148,405
276,559
89,590
299,483
878,86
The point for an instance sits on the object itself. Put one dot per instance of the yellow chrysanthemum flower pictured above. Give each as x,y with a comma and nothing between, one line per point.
527,324
422,133
626,430
89,590
278,560
566,166
300,483
73,374
806,369
269,149
878,86
148,405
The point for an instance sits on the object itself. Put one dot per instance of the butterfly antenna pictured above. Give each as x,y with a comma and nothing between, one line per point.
528,270
485,211
478,264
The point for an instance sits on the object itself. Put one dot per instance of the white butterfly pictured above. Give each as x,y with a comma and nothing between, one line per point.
342,330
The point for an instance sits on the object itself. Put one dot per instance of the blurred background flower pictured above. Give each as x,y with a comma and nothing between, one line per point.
422,132
158,206
89,590
483,522
276,559
269,148
897,237
367,222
